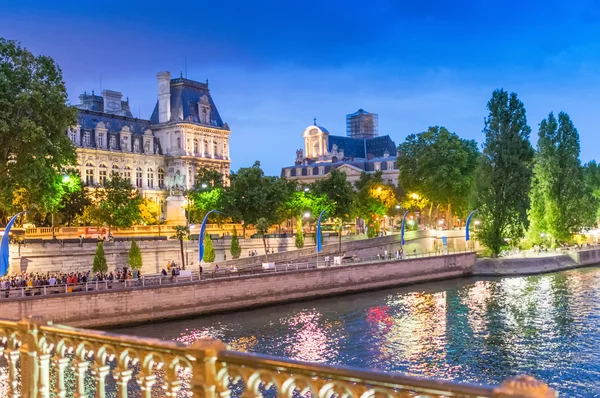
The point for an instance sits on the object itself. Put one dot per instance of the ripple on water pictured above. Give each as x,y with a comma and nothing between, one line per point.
468,330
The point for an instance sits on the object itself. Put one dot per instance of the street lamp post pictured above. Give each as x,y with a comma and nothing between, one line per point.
319,243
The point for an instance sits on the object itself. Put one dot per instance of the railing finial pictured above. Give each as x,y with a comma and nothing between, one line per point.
524,386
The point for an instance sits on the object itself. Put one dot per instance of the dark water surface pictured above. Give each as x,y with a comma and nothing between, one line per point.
468,330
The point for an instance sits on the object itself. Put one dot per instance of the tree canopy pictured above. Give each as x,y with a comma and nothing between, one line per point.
438,165
557,191
34,116
503,177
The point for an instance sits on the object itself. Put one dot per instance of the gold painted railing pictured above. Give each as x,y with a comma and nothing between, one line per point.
45,360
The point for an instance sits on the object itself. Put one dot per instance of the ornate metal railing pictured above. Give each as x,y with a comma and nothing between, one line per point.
45,360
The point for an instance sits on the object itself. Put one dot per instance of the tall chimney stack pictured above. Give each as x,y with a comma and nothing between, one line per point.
164,96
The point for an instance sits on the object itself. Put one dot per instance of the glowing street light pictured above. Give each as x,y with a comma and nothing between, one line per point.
66,179
414,196
307,215
306,189
204,185
477,222
397,207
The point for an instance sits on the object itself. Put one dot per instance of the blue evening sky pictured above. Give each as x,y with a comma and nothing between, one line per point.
274,65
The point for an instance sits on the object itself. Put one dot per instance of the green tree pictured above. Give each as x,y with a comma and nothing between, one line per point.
209,177
503,176
591,179
135,256
182,232
235,250
74,201
299,242
209,250
438,165
252,196
100,260
149,212
374,200
208,194
340,196
558,190
119,202
34,117
262,227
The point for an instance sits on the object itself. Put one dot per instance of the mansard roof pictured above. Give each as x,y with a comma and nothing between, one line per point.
361,147
185,95
89,120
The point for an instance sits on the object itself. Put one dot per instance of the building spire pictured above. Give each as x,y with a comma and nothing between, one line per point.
315,121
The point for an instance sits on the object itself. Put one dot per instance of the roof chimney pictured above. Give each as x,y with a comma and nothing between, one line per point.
164,96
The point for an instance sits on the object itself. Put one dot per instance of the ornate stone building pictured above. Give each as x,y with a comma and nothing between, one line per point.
184,133
324,152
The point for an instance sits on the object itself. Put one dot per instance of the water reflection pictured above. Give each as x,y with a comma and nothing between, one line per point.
466,330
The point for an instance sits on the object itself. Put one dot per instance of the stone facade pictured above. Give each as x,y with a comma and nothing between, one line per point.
184,134
324,152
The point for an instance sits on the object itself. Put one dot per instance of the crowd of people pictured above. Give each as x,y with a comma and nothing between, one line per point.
33,280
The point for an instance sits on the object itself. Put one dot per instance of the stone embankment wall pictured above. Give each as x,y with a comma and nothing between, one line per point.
415,242
536,264
51,257
152,304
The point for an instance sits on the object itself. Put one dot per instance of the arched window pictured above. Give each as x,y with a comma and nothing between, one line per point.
178,143
102,174
116,169
205,149
150,178
89,173
195,145
161,178
139,180
127,173
215,149
100,140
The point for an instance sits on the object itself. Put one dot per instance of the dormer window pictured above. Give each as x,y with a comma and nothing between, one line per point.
147,147
86,138
125,144
72,136
113,142
136,145
100,140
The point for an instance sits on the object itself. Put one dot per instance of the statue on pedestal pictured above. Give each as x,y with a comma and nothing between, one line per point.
176,184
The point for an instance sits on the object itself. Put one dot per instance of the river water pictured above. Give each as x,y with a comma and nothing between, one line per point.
468,330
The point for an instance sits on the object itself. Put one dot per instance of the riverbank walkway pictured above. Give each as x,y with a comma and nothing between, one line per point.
209,272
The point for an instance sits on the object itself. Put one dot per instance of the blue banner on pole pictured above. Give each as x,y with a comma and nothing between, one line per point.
319,243
402,230
468,236
201,236
4,249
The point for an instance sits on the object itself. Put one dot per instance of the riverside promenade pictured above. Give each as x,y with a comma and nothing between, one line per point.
103,308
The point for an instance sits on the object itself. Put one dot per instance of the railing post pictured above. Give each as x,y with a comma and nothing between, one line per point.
29,361
96,284
204,373
44,290
60,364
13,374
122,378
